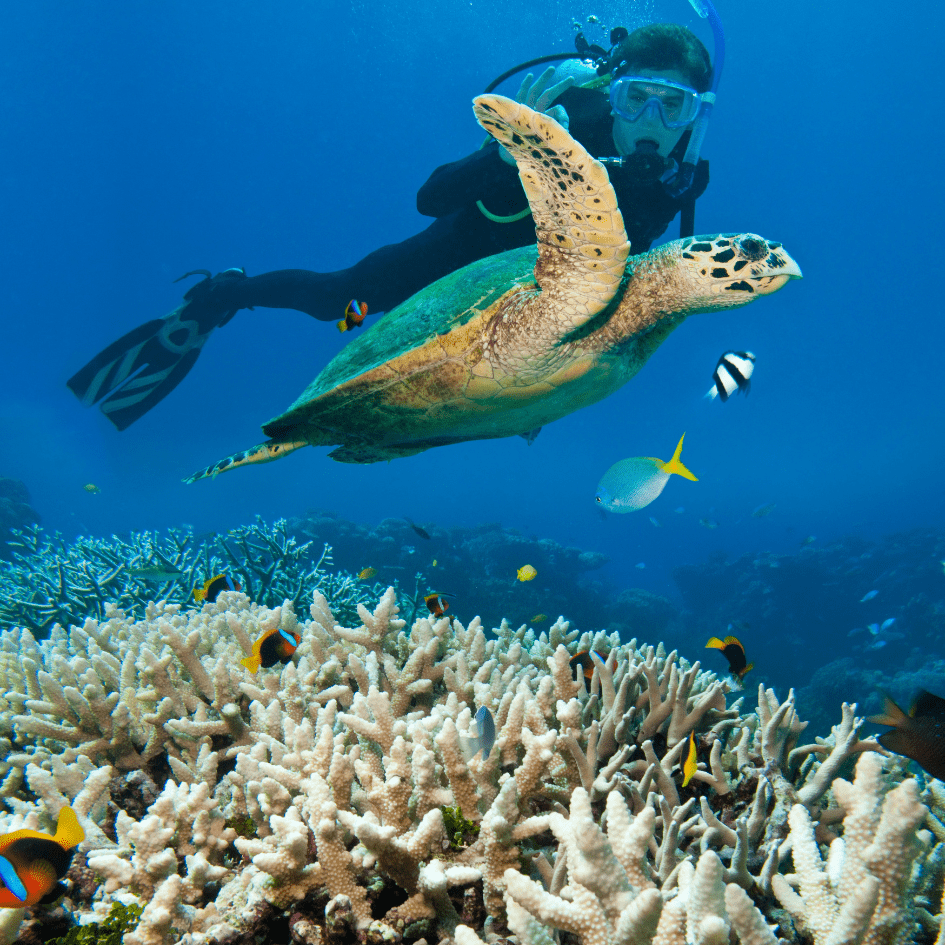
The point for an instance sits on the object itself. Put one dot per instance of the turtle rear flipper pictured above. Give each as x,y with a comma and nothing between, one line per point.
263,453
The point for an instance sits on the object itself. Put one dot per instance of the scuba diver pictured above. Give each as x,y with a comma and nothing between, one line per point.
640,107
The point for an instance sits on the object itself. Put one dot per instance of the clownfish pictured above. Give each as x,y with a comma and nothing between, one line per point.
734,652
32,863
212,589
355,313
437,604
692,763
274,646
586,664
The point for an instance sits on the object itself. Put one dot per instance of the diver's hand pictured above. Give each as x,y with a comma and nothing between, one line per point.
539,94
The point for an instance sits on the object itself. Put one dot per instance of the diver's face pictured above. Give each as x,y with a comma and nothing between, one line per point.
648,132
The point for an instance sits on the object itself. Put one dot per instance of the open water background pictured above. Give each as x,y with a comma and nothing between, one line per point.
142,140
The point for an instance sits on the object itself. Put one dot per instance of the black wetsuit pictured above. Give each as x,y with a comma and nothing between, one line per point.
460,234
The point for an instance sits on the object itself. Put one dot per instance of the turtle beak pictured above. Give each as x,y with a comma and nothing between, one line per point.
775,271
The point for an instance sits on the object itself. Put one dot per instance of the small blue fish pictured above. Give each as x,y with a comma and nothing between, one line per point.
641,565
655,522
485,726
873,628
680,510
869,595
888,623
634,483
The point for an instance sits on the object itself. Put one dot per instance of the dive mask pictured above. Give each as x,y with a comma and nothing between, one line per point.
632,96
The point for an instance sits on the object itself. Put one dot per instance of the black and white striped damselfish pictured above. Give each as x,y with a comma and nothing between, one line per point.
732,374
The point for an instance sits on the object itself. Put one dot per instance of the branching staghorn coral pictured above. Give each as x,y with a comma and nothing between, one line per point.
53,581
226,802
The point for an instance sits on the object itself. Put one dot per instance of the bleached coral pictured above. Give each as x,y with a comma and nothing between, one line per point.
327,777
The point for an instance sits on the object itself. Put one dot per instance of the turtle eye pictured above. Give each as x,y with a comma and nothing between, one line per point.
752,247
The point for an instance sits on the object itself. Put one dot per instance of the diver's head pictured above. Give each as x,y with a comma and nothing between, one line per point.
651,116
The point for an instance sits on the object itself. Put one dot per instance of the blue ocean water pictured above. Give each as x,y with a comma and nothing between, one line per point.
140,141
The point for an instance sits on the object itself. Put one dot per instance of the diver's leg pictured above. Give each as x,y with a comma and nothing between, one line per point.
141,368
383,279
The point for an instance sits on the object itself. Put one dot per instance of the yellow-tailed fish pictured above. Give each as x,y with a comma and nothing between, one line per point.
526,573
634,483
355,313
32,863
214,587
274,646
734,652
692,763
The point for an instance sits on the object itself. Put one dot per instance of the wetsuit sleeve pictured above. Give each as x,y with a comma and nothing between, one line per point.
482,175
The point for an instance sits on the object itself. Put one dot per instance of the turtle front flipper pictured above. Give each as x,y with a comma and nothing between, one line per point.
263,453
582,244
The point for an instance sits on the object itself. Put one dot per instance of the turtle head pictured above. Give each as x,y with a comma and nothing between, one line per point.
730,269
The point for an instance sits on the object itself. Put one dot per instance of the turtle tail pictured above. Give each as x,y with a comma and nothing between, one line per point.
263,453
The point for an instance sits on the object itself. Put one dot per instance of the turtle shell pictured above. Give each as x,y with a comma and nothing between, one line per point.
414,366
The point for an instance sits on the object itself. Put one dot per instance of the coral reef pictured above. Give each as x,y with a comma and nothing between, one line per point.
331,799
816,606
16,513
477,564
49,580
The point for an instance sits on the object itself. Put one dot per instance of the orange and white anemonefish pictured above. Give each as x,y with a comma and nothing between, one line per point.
355,313
437,604
692,763
274,646
213,588
734,652
32,863
585,663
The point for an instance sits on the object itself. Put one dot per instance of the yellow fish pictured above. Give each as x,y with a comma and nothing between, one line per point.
434,562
689,768
367,574
634,483
92,488
539,618
527,573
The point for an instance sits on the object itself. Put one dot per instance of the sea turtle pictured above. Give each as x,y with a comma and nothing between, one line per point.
511,342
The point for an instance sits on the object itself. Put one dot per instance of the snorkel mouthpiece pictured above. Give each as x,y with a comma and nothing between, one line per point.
687,169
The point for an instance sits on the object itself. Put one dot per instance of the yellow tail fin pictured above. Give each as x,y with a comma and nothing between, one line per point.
69,832
675,464
252,663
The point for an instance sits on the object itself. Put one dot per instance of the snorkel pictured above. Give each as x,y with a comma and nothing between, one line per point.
687,169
